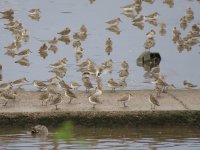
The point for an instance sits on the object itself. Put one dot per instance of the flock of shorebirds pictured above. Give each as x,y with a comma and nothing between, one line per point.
88,68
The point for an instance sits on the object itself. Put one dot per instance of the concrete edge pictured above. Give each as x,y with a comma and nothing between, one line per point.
104,118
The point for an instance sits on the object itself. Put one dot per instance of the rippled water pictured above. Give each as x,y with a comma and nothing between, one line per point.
105,138
128,45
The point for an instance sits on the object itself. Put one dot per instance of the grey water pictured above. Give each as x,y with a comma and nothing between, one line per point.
128,45
104,138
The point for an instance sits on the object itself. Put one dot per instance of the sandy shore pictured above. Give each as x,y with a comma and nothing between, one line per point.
176,107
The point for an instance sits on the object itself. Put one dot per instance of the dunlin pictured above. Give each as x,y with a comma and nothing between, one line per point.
189,11
128,7
74,85
129,14
8,95
7,13
54,41
60,72
53,80
40,85
114,22
151,34
14,45
84,63
44,97
122,84
155,69
108,63
64,85
176,31
94,100
70,94
34,11
65,32
188,84
112,84
124,65
109,42
83,29
79,50
149,43
152,16
23,62
140,19
98,91
123,73
76,43
58,65
154,102
6,86
57,99
24,53
87,83
125,98
20,82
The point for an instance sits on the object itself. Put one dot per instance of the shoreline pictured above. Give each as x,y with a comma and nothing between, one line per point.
177,108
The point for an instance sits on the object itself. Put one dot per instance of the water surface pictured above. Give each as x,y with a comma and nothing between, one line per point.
128,45
105,138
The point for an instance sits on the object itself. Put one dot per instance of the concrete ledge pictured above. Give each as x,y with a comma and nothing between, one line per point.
104,118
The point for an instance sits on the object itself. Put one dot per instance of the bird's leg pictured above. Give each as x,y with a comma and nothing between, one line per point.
5,103
46,103
70,99
93,106
124,104
42,102
56,107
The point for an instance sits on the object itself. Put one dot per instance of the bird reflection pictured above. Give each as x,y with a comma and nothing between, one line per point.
170,3
35,17
139,25
162,30
10,53
64,39
23,62
53,48
34,14
78,57
43,51
114,29
7,14
92,1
